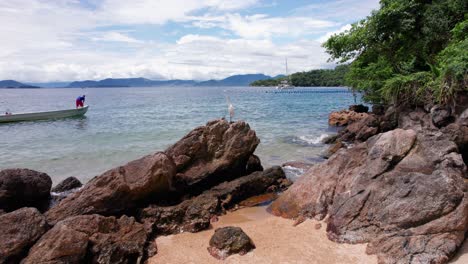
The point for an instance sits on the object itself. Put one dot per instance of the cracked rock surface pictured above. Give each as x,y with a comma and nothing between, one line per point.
403,192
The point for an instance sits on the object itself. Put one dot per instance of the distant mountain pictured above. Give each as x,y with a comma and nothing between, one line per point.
235,80
50,84
15,84
130,82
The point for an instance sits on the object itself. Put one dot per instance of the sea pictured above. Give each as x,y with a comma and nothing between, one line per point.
123,124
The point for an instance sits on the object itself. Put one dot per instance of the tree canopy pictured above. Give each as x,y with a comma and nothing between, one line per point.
408,51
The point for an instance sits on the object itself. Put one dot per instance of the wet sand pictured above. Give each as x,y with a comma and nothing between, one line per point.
275,238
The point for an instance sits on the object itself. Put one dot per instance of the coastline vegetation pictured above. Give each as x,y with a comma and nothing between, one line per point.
408,51
322,77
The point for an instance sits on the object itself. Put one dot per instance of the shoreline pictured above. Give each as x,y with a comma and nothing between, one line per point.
275,238
276,241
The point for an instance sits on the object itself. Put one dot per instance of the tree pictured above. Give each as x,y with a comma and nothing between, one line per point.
408,51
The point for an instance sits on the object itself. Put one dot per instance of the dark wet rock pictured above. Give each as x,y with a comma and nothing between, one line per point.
68,184
229,240
211,154
24,188
378,109
333,149
360,130
119,189
441,115
90,239
254,164
19,230
402,192
194,214
359,108
345,117
330,139
259,200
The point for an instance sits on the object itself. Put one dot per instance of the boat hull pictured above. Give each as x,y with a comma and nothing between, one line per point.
44,115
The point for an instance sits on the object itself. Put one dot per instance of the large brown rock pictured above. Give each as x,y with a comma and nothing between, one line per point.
211,154
19,230
345,117
90,239
24,188
119,189
402,191
230,240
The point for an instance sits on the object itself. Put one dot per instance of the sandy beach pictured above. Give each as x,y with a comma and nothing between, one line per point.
276,240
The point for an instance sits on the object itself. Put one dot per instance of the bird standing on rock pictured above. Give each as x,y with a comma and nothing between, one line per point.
230,109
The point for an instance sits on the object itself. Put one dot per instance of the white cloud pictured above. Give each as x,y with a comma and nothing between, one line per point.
65,40
324,38
115,36
347,11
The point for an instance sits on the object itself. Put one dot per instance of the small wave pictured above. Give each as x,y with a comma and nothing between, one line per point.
314,140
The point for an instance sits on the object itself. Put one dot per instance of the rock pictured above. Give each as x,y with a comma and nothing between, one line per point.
24,188
194,215
262,199
360,108
463,118
68,184
378,109
254,164
441,115
120,189
345,117
90,239
330,139
19,230
229,240
211,154
360,130
402,192
333,149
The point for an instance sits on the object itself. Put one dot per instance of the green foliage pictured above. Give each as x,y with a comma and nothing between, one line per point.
311,78
407,51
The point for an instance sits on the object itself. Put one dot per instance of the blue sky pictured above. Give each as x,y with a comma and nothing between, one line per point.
66,40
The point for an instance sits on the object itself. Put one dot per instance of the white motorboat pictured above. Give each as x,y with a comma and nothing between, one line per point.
43,115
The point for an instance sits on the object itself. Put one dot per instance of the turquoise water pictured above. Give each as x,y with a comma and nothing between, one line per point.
123,124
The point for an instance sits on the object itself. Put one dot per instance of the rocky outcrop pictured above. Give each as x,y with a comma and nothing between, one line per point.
194,214
211,154
19,230
207,156
402,191
360,108
119,189
68,184
345,117
229,240
24,188
90,239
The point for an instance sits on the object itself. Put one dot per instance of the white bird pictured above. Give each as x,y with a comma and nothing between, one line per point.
230,109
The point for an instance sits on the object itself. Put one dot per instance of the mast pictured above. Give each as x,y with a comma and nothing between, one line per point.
286,63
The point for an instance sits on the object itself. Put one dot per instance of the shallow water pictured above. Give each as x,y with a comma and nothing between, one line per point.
126,123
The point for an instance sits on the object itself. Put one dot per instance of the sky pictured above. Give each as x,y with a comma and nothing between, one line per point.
68,40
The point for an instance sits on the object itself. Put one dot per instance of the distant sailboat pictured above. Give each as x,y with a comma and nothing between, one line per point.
285,84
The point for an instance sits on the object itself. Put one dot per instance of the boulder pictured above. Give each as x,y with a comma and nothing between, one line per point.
360,108
254,164
229,240
24,188
402,192
333,149
19,230
90,239
360,130
120,189
211,154
441,115
68,184
463,118
194,214
345,117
